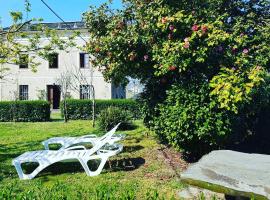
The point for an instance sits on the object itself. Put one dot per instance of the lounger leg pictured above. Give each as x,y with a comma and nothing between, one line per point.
24,176
85,167
99,169
36,171
19,170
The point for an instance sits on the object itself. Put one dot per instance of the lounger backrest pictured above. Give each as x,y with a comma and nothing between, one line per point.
110,133
103,140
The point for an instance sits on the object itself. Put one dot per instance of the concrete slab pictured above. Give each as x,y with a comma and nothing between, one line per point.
232,173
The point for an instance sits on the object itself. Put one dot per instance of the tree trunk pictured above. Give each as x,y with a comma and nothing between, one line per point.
93,106
65,110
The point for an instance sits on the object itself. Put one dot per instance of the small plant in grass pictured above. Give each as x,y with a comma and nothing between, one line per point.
111,116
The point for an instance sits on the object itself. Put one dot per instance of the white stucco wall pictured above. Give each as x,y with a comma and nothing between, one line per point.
67,61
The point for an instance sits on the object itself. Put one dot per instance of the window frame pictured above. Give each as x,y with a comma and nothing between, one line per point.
23,64
86,95
52,61
23,92
82,62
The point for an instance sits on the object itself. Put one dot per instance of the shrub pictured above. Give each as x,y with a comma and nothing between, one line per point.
187,121
111,116
82,109
24,111
191,121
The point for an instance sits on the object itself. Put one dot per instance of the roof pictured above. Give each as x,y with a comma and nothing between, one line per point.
55,25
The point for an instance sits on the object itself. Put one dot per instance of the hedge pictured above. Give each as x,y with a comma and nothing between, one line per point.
24,111
82,109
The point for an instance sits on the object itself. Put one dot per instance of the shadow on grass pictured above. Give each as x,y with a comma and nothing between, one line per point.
134,148
130,126
13,150
125,164
56,120
133,139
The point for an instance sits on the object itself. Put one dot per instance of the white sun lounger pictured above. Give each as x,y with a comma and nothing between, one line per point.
66,142
100,151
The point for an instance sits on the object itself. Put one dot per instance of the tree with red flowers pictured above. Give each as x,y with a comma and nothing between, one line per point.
223,44
164,39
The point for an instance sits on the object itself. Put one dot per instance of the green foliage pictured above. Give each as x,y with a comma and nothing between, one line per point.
11,48
16,16
190,120
24,111
111,116
232,86
61,191
82,109
176,40
221,45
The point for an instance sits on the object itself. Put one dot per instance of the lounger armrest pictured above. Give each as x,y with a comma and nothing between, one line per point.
89,136
76,147
120,136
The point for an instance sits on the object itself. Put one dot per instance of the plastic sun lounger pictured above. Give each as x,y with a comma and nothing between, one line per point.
100,151
66,142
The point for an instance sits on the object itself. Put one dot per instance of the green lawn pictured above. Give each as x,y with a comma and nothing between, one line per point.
144,166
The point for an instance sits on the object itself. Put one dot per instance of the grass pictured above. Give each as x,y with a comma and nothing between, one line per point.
140,172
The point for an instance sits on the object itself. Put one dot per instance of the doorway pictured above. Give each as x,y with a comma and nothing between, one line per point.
53,93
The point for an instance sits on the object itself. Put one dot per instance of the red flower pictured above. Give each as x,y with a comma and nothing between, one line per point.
97,49
245,51
186,39
171,27
204,28
172,68
164,20
145,57
186,45
234,49
195,27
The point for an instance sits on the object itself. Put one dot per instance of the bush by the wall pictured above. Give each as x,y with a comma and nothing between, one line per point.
111,116
187,121
24,111
82,109
191,121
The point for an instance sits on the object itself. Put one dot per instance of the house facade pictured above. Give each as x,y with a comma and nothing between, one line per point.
22,83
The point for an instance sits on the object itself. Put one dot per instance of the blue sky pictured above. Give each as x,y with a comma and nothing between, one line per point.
69,10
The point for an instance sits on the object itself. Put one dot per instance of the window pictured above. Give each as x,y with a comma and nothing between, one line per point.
23,61
84,60
84,91
118,92
23,92
53,61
